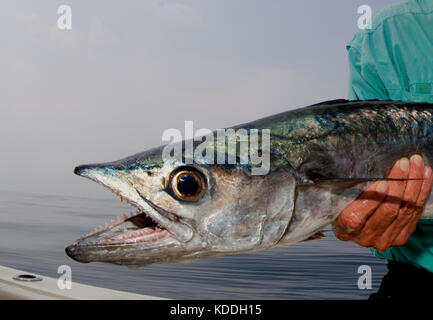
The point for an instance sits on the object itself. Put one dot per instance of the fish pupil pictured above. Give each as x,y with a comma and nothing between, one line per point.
188,185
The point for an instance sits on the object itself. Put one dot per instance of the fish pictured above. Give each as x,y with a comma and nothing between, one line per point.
321,158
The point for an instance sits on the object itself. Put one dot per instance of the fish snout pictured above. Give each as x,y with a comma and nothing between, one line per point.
75,253
79,169
83,169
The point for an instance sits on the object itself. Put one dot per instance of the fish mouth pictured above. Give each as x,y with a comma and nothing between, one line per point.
128,229
148,227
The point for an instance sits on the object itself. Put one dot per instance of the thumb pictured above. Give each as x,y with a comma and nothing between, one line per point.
354,216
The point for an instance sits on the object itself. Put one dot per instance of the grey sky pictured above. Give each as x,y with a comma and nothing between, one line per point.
130,69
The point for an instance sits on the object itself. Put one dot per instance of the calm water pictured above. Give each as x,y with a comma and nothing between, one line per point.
35,229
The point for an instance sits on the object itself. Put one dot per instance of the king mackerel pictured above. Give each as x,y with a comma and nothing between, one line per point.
321,158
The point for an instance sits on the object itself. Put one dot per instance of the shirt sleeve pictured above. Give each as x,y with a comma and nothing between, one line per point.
364,82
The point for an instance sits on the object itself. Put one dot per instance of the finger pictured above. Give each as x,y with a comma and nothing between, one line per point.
413,187
353,217
426,187
385,214
408,208
424,193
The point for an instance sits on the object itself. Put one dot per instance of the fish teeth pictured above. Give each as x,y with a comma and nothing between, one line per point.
134,236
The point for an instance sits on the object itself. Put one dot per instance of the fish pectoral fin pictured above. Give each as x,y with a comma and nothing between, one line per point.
339,185
360,180
317,236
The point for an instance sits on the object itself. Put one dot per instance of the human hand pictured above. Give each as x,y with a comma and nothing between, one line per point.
386,213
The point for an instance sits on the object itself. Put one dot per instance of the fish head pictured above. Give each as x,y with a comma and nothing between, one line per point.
185,211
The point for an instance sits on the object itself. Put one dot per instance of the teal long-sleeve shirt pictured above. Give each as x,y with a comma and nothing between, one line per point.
394,60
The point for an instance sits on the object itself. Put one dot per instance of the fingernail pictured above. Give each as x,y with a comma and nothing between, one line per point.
382,186
417,160
427,172
404,164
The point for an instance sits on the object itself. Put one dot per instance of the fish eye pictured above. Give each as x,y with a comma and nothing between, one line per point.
187,184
